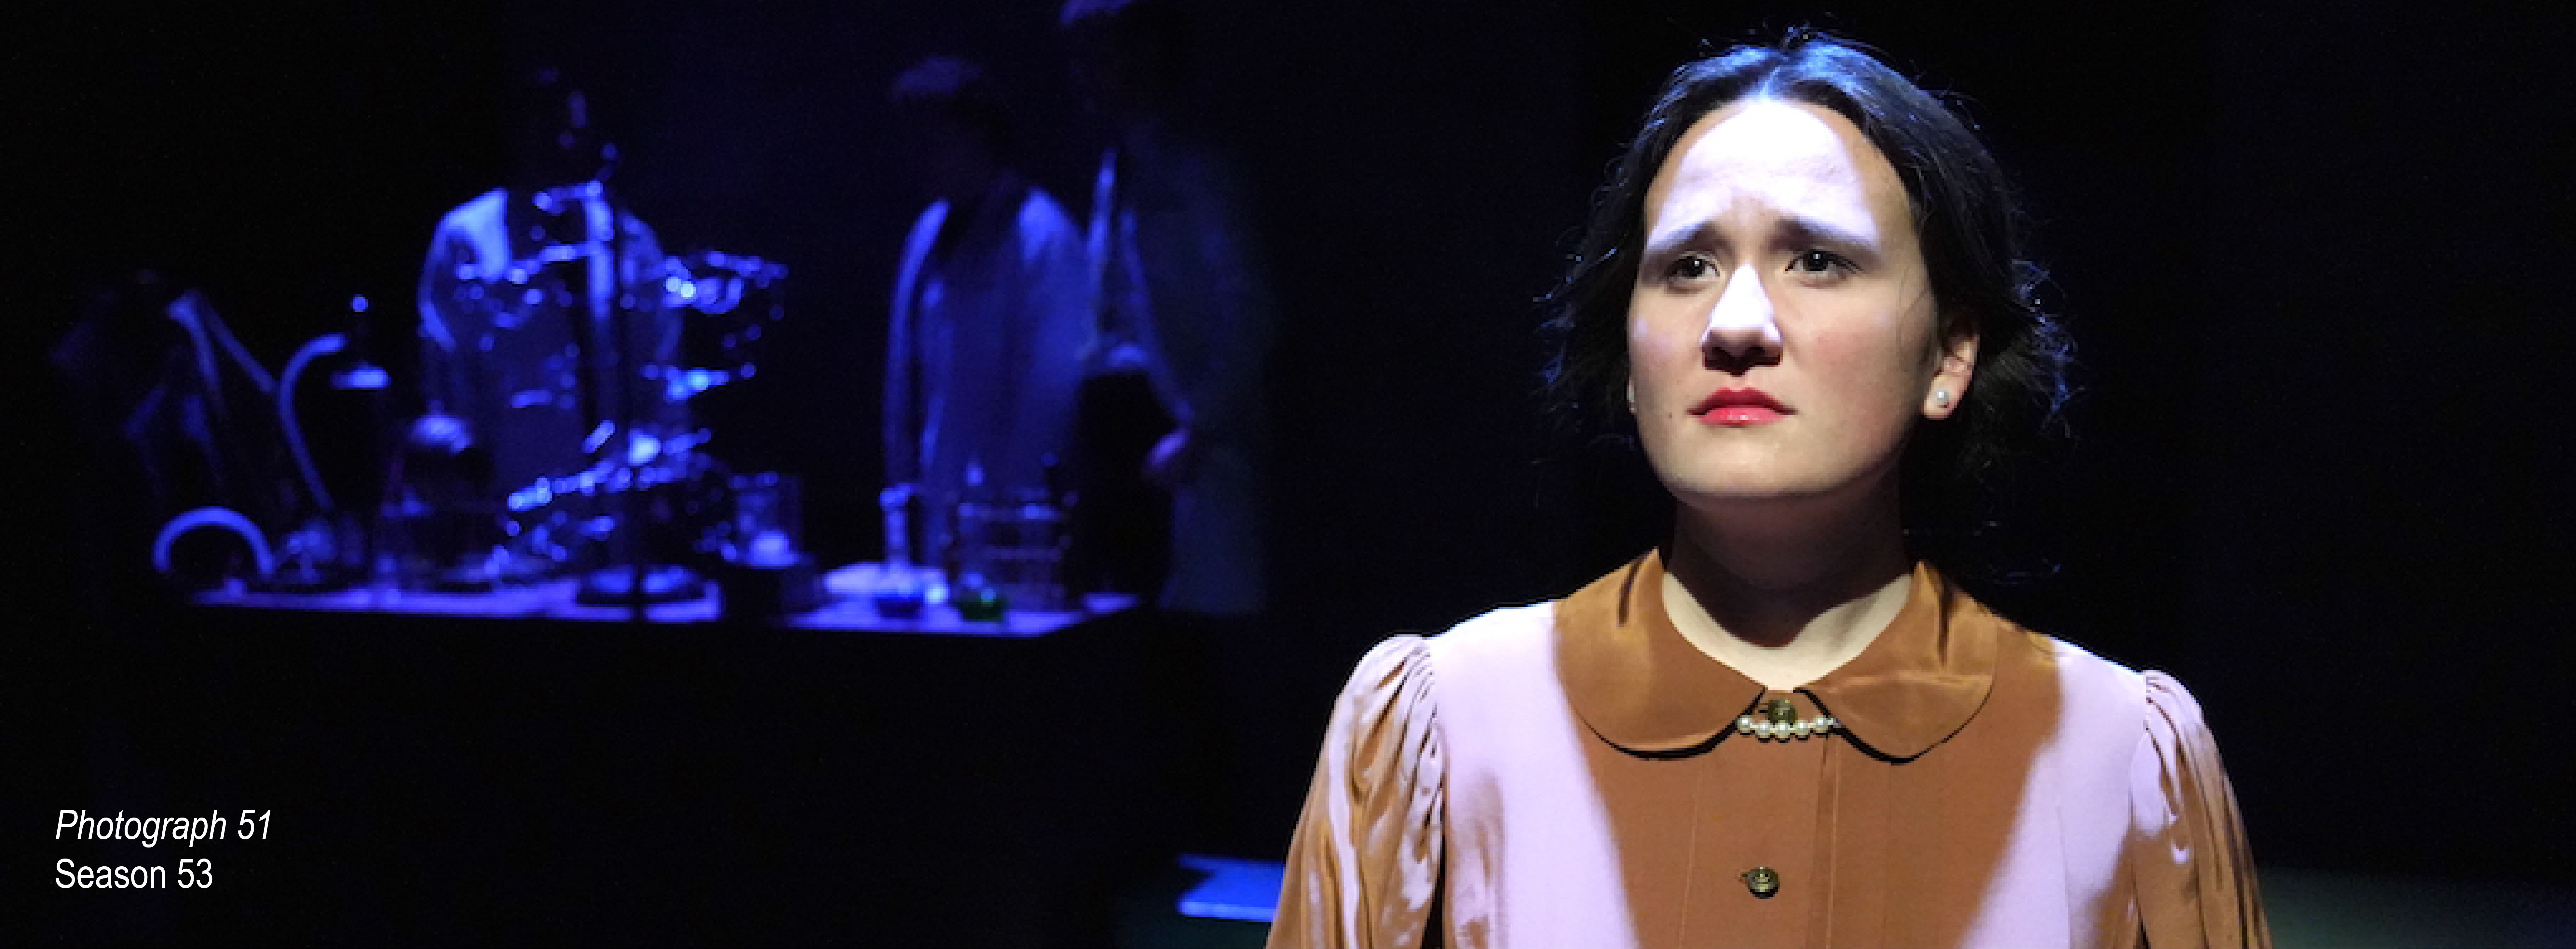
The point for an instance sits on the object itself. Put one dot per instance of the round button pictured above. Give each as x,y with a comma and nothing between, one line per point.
1781,712
1762,881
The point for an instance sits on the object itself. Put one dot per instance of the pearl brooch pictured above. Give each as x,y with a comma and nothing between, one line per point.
1780,722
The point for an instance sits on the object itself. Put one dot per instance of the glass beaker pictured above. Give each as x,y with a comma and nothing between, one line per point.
768,522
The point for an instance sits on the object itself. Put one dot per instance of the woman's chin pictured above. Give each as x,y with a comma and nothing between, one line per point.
1715,494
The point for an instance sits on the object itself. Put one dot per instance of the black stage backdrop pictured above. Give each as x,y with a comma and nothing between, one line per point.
2315,255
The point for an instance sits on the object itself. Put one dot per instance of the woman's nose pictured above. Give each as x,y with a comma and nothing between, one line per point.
1742,332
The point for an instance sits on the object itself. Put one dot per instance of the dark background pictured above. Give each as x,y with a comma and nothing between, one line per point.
2315,256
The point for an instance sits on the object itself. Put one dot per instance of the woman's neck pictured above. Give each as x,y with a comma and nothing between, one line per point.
1781,594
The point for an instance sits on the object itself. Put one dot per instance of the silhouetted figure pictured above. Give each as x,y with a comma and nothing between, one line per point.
176,416
991,306
1181,301
523,298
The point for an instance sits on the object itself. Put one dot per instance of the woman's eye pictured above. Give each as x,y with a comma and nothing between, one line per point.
1819,263
1689,268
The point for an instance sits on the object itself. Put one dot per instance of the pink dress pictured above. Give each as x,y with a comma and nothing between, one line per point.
1572,774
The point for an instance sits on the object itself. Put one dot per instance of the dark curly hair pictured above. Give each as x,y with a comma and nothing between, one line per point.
1972,229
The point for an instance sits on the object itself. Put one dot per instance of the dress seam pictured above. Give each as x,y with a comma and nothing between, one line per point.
1690,862
1830,790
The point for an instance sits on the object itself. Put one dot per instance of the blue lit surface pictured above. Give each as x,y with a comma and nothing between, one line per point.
362,378
1235,888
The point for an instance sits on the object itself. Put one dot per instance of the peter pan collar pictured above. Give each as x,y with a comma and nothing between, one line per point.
1639,685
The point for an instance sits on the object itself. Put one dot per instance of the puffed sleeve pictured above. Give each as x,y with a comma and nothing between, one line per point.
2195,874
1364,866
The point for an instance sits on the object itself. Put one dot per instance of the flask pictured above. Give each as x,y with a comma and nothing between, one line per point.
898,593
973,590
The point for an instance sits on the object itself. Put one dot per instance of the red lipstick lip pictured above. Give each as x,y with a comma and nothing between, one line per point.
1747,398
1740,408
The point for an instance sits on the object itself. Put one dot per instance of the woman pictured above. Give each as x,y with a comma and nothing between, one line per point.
1784,726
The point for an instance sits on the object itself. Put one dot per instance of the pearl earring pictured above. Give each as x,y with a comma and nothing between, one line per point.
1941,397
1632,396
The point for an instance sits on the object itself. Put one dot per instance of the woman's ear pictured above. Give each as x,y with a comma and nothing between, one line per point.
1957,366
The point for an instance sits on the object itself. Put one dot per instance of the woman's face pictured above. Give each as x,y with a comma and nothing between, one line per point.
1782,336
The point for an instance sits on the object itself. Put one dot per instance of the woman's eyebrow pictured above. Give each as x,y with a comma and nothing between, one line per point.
1810,230
1674,240
1794,228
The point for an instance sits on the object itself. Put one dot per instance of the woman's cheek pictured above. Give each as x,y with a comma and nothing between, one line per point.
1651,356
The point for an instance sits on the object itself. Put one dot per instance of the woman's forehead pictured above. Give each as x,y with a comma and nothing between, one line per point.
1764,160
